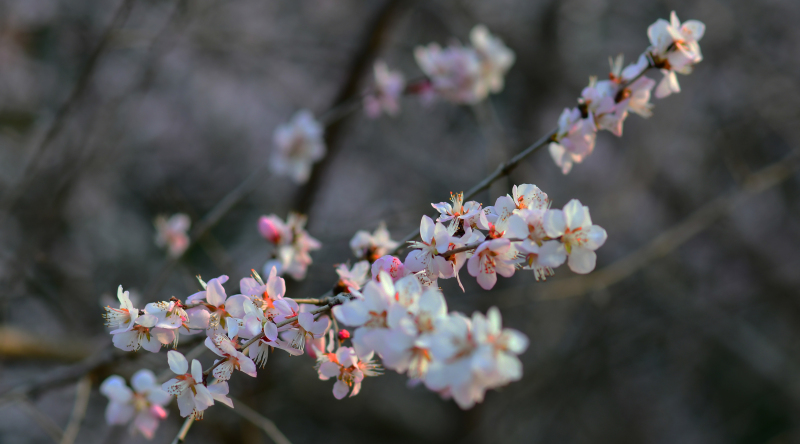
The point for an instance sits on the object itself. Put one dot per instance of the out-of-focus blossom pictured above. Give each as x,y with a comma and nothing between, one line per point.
578,238
173,234
292,242
144,404
471,356
352,279
495,57
455,72
372,246
298,144
389,87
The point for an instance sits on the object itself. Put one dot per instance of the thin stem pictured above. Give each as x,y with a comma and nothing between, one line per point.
469,247
502,170
181,436
82,393
265,424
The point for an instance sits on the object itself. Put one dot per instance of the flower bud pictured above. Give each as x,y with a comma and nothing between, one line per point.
269,230
343,334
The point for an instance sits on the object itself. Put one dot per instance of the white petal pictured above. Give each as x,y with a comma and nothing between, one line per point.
552,254
197,370
581,260
426,228
143,380
554,223
330,369
340,390
573,214
215,294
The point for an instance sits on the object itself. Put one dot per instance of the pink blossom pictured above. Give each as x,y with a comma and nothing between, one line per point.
172,233
389,87
490,258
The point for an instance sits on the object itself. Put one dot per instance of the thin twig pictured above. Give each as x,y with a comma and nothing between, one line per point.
260,421
82,393
181,436
671,239
50,427
85,77
473,246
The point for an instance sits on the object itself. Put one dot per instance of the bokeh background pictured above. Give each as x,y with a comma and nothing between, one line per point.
114,112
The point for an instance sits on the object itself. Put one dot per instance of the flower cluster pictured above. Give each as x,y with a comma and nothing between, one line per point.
605,104
292,244
298,144
466,74
521,231
408,326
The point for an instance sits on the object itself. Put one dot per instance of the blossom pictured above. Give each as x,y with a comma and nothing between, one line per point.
674,48
172,233
193,395
426,258
495,57
352,279
473,355
378,308
469,214
298,144
406,347
232,360
144,404
372,246
389,87
529,225
578,238
455,72
143,334
223,314
306,329
574,139
124,317
490,258
348,369
293,245
637,96
392,266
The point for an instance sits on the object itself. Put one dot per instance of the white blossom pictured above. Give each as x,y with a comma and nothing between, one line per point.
491,258
144,404
495,57
193,395
124,317
389,86
348,369
574,140
298,144
578,238
173,233
372,246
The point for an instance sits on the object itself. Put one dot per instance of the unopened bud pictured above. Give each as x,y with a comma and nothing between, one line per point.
343,334
268,229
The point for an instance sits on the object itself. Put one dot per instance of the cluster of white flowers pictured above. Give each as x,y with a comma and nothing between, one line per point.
408,326
466,74
605,104
172,233
520,231
292,244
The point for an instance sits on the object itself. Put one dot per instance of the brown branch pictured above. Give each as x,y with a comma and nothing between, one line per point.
377,36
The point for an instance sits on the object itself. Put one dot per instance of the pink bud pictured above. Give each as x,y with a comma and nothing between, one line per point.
268,229
158,411
344,334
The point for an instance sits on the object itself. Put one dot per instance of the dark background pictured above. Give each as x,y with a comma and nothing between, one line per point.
694,339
